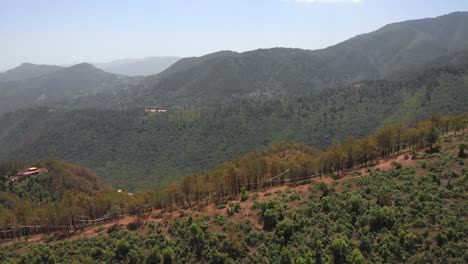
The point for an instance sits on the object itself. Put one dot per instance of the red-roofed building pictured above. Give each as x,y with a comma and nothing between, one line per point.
155,110
31,171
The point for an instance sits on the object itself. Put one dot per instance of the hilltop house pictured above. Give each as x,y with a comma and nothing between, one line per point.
31,171
155,110
359,85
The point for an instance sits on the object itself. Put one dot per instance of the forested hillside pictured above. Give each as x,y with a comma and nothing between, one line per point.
409,210
396,51
31,85
56,179
27,71
132,148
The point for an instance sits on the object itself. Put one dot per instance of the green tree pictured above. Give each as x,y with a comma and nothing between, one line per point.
168,255
286,256
339,247
122,249
461,149
153,257
244,194
270,219
285,229
432,136
356,257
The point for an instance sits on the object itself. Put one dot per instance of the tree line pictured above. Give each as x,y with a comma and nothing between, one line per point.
292,161
282,162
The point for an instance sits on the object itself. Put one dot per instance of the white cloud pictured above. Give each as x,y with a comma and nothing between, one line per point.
326,1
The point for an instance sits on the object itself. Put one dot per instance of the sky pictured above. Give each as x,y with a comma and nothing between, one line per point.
73,31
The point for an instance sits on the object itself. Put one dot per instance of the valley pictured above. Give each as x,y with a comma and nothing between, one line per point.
356,197
277,137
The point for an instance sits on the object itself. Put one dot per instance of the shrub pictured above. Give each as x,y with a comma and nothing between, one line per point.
168,255
396,165
153,257
244,194
294,196
461,149
132,226
285,229
221,205
270,219
384,198
355,203
122,249
286,256
219,220
237,207
339,247
49,238
112,229
134,257
255,197
383,217
218,257
230,209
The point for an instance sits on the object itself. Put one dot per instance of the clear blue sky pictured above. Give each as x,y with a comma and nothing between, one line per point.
66,31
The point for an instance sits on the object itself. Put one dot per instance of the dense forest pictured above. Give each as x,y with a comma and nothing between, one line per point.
277,164
132,149
412,213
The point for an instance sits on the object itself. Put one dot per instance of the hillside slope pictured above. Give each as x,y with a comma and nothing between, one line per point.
55,180
394,51
132,148
58,87
410,212
27,71
138,67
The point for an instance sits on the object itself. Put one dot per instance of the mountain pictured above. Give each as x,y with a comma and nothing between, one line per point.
58,87
397,51
133,149
233,102
27,71
138,67
392,52
397,48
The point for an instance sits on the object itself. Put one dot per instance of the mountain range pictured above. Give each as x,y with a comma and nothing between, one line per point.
395,51
33,85
138,67
227,103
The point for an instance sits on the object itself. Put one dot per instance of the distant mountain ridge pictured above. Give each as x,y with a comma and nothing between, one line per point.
26,71
51,85
131,148
393,52
233,102
138,67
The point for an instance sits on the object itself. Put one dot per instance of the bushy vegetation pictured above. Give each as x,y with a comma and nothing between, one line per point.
395,216
131,149
52,197
66,192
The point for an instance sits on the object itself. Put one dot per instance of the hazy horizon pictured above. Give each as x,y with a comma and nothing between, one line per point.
58,33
